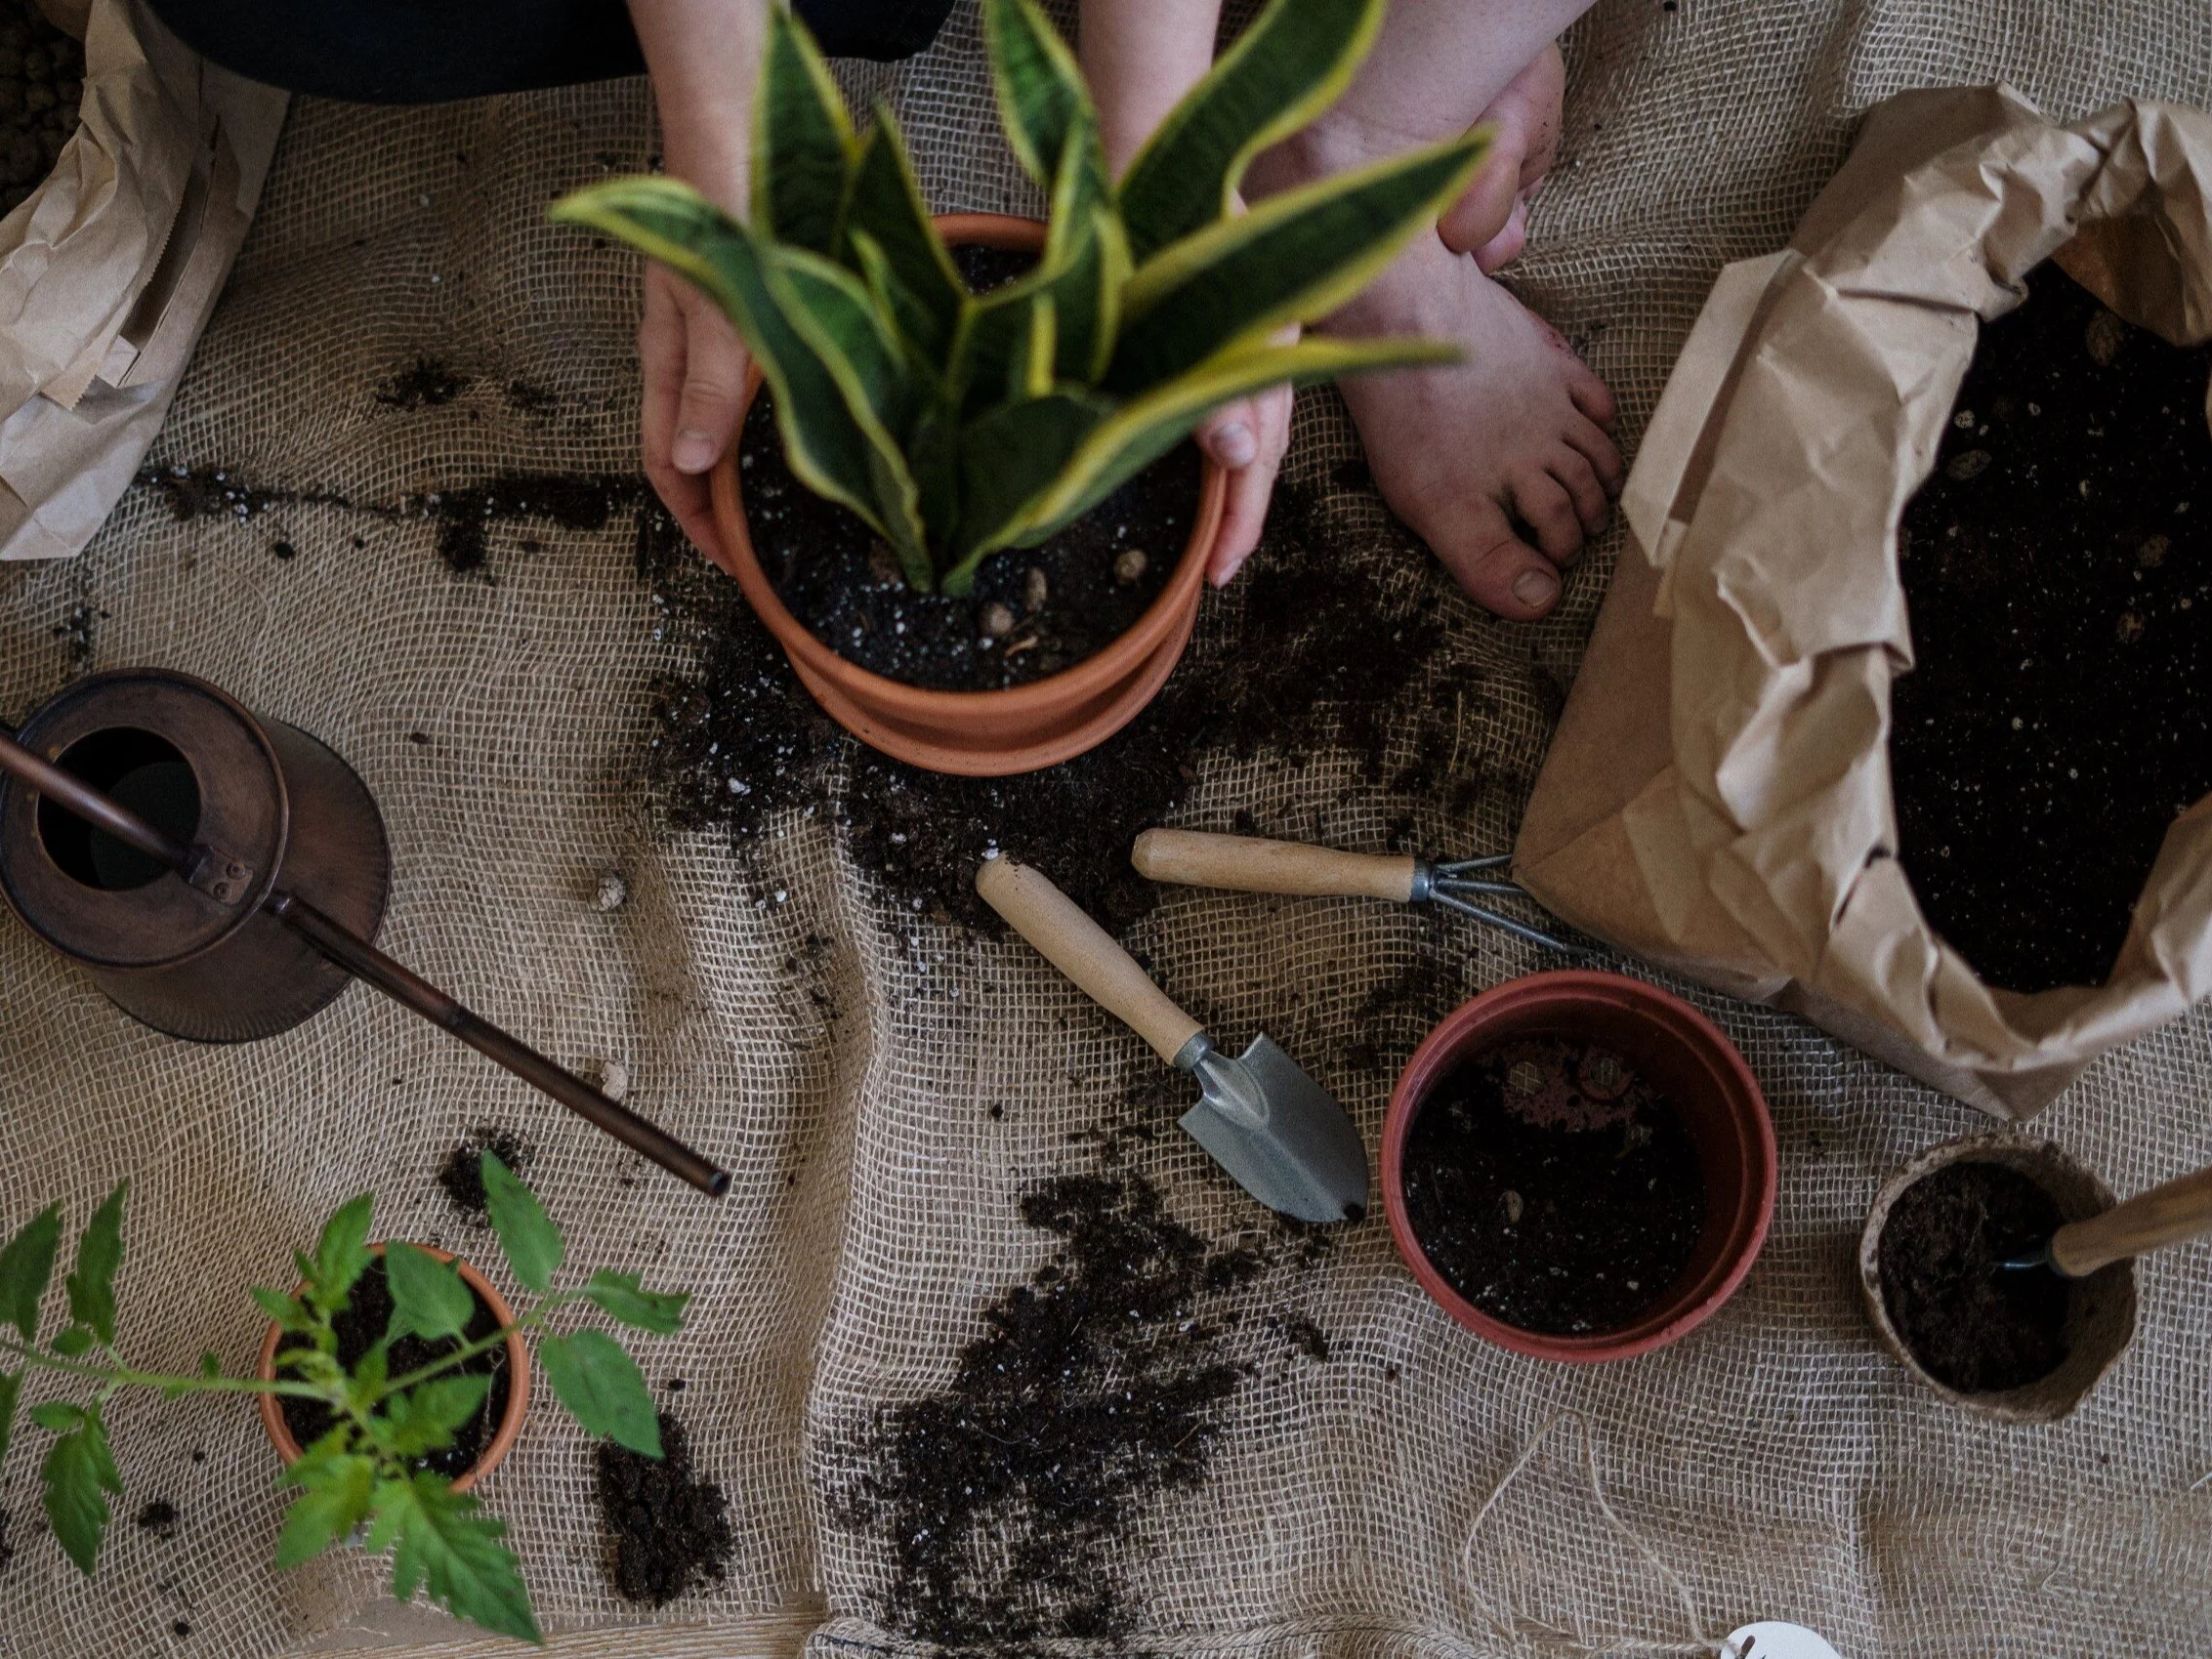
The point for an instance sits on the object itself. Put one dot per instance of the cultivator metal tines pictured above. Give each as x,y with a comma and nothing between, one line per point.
1249,864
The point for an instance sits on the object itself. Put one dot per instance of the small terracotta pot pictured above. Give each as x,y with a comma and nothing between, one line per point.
517,1376
2100,1317
1682,1055
983,733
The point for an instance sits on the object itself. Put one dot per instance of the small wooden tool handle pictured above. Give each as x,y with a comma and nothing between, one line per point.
1248,864
1085,952
2166,1215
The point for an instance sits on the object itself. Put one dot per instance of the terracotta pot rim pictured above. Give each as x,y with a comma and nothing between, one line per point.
518,1371
1739,1100
1112,667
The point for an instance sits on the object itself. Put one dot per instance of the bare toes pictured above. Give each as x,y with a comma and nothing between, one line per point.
1546,508
1590,441
1574,475
1592,395
1501,573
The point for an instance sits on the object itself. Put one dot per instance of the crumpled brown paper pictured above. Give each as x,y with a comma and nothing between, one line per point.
1717,797
110,268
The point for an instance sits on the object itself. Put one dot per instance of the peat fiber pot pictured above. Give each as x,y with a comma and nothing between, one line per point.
1021,729
2099,1314
1682,1055
517,1376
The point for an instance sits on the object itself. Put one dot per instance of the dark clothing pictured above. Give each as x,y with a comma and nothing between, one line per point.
430,51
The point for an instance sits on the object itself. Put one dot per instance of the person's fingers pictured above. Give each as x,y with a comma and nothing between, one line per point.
1479,212
1505,247
1544,506
1500,572
1251,486
1574,475
1231,435
662,358
714,380
1596,448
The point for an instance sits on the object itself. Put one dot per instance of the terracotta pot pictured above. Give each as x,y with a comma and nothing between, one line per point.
1680,1052
983,733
517,1376
2100,1317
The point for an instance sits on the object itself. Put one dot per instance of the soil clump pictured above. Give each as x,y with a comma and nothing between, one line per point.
1094,1388
570,501
667,1529
1553,1187
2057,567
159,1517
42,73
425,384
1973,1326
461,1176
362,1325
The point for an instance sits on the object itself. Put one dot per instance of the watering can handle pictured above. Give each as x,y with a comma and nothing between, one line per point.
2149,1220
1247,864
1086,953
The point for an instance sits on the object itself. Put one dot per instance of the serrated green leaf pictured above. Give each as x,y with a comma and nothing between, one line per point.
27,1269
78,1471
602,1389
56,1416
438,1538
10,1390
803,144
621,1298
99,1253
426,1417
923,287
288,1313
1042,101
210,1363
1293,61
73,1342
427,1296
342,1254
527,1234
1294,257
336,1499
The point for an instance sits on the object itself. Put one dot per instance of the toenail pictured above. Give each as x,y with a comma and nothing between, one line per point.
1535,587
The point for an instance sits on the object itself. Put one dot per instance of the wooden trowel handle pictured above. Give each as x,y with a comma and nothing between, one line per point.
2166,1215
1246,863
1085,952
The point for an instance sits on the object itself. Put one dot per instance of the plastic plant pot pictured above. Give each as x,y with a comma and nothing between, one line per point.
2100,1309
1682,1055
517,1376
1021,729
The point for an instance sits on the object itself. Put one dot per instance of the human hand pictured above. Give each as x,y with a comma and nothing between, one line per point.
1247,439
695,369
1490,217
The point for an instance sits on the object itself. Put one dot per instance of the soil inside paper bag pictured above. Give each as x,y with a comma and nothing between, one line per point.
2058,570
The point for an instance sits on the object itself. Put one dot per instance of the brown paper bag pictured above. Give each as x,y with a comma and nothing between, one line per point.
109,270
1717,797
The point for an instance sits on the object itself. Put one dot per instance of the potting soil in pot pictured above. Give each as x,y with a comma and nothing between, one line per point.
42,74
1972,1325
368,1311
2058,567
1553,1187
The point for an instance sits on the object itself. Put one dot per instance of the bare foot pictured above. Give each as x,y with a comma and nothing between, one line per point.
1490,218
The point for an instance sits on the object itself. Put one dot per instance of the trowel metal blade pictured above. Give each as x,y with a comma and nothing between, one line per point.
1305,1158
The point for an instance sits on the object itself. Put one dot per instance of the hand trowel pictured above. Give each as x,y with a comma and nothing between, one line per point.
1277,1132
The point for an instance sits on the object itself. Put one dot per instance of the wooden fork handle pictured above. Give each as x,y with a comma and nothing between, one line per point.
2166,1215
1247,864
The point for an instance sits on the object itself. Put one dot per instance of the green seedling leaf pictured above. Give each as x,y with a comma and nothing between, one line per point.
620,1298
10,1390
425,1417
602,1389
427,1296
803,144
286,1310
99,1253
533,1244
77,1472
73,1342
56,1416
210,1363
438,1538
1293,61
342,1254
336,1499
27,1269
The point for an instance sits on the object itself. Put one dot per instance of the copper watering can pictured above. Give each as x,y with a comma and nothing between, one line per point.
221,877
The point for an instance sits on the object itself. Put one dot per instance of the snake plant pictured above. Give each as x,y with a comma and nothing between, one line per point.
957,424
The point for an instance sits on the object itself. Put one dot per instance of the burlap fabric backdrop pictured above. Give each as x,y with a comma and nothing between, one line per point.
1776,1463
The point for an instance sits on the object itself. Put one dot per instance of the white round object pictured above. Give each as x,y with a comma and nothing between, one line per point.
1773,1639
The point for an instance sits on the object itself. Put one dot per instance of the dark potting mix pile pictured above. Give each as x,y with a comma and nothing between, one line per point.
42,73
1033,611
2058,568
362,1325
1973,1326
667,1530
1553,1187
461,1176
1093,1389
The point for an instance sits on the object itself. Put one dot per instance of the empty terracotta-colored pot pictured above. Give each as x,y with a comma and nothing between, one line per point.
982,734
517,1376
2100,1311
1680,1054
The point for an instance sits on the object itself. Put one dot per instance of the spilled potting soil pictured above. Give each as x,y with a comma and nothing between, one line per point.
2058,567
1553,1187
1973,1326
461,1176
1095,1388
159,1517
667,1529
425,384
